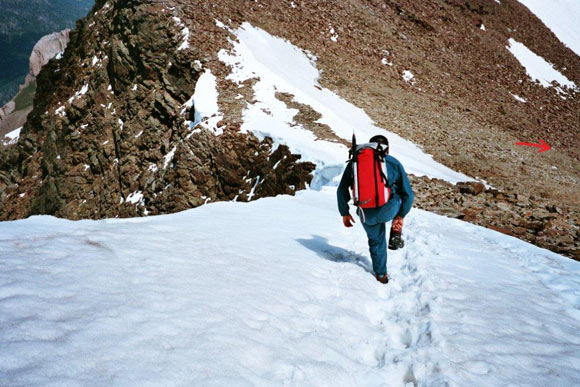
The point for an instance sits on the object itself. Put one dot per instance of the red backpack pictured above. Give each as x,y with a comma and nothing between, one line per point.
370,187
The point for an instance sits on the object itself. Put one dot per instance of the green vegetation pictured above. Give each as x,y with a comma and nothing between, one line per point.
25,97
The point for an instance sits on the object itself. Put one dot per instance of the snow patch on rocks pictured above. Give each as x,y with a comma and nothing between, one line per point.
79,93
219,24
538,68
135,197
168,157
12,137
333,34
60,111
205,102
184,32
408,76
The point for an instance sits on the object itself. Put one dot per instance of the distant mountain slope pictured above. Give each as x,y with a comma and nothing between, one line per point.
13,115
22,24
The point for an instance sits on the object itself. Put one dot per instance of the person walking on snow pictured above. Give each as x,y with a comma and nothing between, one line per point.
373,220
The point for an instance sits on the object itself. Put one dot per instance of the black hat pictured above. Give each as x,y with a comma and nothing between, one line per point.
379,138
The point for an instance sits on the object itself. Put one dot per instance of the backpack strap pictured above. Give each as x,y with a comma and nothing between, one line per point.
380,158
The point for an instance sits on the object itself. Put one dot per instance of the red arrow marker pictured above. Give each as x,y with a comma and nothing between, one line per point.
542,145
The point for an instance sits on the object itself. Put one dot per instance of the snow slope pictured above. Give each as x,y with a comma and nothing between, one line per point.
277,292
281,67
560,16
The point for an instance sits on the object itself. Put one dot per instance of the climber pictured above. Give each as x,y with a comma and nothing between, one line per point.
382,193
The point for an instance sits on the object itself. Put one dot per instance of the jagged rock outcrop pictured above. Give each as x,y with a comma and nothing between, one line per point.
47,48
108,134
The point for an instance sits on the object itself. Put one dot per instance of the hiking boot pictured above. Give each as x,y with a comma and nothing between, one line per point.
396,241
384,279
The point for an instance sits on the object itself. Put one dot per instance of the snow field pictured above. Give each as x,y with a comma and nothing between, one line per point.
506,309
121,302
275,292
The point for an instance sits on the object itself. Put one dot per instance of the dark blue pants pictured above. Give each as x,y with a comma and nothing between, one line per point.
376,233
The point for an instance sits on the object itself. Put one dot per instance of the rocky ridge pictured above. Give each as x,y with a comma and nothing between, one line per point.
108,134
460,105
526,217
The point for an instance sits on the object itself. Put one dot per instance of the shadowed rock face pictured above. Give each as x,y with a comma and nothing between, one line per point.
108,137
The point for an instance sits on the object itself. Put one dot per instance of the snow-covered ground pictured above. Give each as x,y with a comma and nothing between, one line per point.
277,292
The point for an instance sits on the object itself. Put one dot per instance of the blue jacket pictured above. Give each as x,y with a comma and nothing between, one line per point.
398,181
